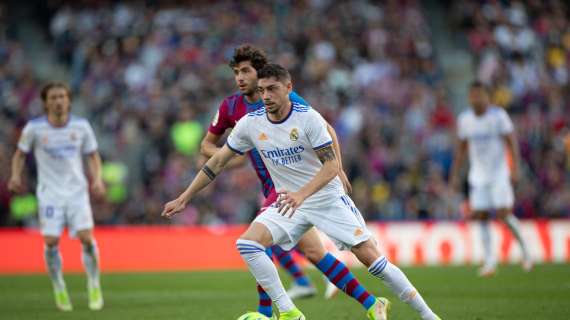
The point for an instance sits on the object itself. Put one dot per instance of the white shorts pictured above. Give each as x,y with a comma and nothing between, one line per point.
497,195
76,214
340,221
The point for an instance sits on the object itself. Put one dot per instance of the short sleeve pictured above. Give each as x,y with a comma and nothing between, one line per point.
239,140
316,130
505,123
221,121
89,142
26,139
461,128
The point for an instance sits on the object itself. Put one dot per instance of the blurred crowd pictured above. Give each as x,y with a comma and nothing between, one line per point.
150,78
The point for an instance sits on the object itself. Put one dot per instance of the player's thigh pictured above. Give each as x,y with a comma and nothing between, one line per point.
80,218
312,246
52,219
341,221
503,197
480,199
285,231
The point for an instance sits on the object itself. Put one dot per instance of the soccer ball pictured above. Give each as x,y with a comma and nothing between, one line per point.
253,316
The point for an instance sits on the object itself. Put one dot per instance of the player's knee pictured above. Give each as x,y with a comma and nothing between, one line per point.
367,252
51,242
503,213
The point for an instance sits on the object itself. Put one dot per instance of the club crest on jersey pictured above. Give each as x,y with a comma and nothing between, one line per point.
73,136
294,135
44,140
262,137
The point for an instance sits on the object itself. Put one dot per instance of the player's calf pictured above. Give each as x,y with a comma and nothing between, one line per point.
380,267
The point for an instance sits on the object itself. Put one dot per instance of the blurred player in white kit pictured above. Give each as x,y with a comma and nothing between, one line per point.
485,132
59,141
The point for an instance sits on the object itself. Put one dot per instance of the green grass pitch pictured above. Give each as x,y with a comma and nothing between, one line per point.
453,292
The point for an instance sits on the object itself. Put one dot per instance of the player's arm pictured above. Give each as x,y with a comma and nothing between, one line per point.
209,171
18,161
95,172
209,147
336,145
458,159
513,147
290,201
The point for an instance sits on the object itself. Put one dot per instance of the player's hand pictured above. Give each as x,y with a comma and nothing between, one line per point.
15,184
345,182
173,207
288,202
98,188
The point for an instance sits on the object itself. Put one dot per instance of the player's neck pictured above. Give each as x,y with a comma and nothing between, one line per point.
281,114
252,98
58,120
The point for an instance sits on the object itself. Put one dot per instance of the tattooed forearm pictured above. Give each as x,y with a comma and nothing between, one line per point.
325,154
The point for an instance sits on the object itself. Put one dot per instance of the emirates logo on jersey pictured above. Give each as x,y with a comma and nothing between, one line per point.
294,135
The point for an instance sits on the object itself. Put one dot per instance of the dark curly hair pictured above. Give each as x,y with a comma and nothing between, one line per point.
272,70
246,52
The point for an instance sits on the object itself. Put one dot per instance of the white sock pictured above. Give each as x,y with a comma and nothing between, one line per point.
54,265
265,273
488,257
90,257
397,281
514,225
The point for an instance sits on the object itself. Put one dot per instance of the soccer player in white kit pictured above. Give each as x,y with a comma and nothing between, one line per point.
484,132
296,148
59,141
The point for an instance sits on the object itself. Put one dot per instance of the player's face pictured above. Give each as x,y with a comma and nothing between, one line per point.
478,98
246,78
275,94
57,101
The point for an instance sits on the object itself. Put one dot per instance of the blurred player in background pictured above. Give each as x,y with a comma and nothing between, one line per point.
59,142
245,63
297,150
485,132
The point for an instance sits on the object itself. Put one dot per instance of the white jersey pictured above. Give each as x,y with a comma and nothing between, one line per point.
59,156
485,137
288,149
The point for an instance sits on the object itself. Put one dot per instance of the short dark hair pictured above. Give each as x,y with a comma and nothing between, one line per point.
478,85
273,70
246,52
53,85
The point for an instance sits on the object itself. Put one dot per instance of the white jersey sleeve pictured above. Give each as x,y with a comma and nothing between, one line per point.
239,140
89,144
461,127
316,130
26,141
505,123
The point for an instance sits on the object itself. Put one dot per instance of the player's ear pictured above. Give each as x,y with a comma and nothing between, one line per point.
289,86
